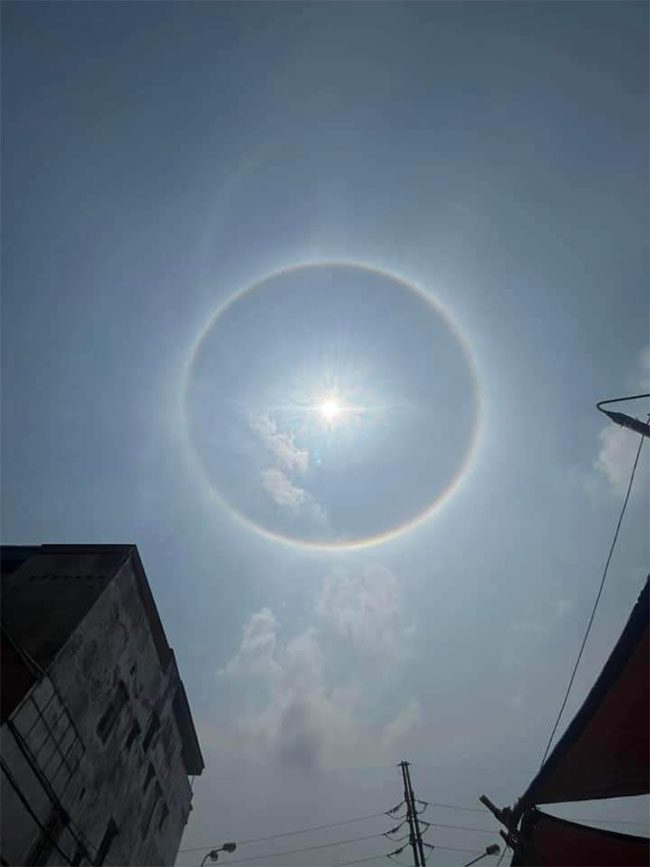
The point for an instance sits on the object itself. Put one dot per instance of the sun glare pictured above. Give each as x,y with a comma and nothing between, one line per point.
330,409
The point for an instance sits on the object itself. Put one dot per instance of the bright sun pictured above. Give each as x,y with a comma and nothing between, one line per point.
330,409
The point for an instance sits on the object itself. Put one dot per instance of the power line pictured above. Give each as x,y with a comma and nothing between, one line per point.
441,825
460,828
361,860
304,849
453,849
596,601
458,807
289,833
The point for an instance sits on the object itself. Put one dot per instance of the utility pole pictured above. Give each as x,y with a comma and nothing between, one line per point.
415,837
416,821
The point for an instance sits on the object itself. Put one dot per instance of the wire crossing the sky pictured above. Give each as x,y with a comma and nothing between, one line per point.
289,833
305,849
596,601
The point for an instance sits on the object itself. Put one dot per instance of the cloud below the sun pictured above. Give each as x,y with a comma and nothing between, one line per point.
304,698
289,463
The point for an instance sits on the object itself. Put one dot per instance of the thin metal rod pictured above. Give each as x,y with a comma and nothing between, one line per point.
620,400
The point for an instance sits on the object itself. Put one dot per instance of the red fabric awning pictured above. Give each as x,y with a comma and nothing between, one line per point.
605,751
547,840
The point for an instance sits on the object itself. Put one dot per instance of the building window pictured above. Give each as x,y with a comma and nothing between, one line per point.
112,712
148,778
154,796
164,813
47,840
133,734
107,841
153,727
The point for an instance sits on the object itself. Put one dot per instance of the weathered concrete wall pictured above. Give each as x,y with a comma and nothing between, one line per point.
104,781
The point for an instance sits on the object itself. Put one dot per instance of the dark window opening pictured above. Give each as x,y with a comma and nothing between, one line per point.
133,734
17,677
148,778
164,813
154,796
153,727
107,841
47,840
112,712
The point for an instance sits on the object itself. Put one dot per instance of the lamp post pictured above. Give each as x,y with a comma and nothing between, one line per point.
492,849
627,421
213,855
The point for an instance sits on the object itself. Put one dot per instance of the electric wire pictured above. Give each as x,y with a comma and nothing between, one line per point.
596,601
361,860
303,849
442,825
288,833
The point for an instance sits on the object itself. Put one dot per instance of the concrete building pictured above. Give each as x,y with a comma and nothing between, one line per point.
97,737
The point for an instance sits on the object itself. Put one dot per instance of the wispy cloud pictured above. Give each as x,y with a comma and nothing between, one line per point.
289,463
365,607
310,710
280,488
281,445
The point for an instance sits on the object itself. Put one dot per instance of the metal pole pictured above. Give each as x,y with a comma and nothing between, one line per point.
410,813
416,821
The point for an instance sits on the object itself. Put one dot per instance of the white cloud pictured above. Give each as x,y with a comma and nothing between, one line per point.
279,480
256,654
311,709
282,490
618,445
365,607
280,445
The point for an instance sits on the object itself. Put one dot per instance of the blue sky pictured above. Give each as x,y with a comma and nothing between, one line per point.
158,158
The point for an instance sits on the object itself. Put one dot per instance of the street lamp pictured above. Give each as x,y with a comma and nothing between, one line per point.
628,421
214,854
492,849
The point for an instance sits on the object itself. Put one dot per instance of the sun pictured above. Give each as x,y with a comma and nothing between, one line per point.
330,409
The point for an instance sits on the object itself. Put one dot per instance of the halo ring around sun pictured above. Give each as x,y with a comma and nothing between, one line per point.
360,542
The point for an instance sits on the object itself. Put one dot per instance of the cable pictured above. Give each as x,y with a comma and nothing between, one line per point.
441,825
361,860
333,825
304,849
458,807
597,600
288,833
453,849
503,852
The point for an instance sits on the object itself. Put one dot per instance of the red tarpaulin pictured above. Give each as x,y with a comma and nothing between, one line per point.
544,839
605,752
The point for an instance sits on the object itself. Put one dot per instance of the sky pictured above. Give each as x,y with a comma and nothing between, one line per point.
313,303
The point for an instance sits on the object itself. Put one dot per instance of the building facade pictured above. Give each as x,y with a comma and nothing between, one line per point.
97,739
